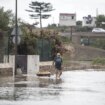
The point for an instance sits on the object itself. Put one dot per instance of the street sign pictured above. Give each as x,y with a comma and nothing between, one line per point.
19,32
18,39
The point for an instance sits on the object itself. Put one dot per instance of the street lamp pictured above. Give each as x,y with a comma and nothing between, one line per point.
19,32
15,32
16,40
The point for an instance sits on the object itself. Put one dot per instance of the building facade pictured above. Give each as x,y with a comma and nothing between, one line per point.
89,21
67,19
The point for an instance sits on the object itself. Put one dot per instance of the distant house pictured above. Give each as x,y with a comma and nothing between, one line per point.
89,21
67,19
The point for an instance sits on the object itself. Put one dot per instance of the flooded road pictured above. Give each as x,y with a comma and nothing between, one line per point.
74,88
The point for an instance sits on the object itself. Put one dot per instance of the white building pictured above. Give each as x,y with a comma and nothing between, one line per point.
67,19
89,21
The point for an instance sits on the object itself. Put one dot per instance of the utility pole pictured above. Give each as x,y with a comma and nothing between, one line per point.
71,33
16,33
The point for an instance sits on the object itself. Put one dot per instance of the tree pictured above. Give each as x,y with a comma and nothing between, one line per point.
99,20
99,42
39,10
79,23
5,18
52,26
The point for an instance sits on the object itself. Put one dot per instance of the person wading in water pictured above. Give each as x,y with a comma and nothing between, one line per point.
58,65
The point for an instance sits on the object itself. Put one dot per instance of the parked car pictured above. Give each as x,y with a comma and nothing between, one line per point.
98,30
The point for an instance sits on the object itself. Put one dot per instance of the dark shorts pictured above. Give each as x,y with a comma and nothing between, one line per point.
58,67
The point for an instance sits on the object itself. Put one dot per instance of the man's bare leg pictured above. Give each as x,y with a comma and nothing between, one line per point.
60,73
57,72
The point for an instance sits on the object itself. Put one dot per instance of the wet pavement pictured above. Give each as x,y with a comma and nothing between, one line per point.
74,88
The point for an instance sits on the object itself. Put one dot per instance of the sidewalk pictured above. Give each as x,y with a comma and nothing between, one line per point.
46,63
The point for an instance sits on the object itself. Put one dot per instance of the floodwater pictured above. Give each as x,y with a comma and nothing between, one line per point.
74,88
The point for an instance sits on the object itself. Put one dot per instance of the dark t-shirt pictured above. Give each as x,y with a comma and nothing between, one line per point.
58,62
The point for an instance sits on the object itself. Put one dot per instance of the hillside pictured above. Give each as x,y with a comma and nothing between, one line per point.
83,53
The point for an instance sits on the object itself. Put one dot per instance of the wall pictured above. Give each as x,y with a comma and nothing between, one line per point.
76,39
32,63
5,69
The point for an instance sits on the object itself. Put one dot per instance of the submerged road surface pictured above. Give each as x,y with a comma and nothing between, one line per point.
74,88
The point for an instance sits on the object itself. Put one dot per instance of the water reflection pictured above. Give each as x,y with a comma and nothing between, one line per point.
36,88
74,87
20,81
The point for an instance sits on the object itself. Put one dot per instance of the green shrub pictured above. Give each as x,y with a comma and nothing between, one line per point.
99,61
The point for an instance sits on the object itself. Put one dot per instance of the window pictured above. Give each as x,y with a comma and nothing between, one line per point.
72,17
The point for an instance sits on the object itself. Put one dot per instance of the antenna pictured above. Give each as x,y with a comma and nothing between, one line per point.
96,12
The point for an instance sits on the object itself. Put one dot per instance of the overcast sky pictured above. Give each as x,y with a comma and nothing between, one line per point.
80,7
